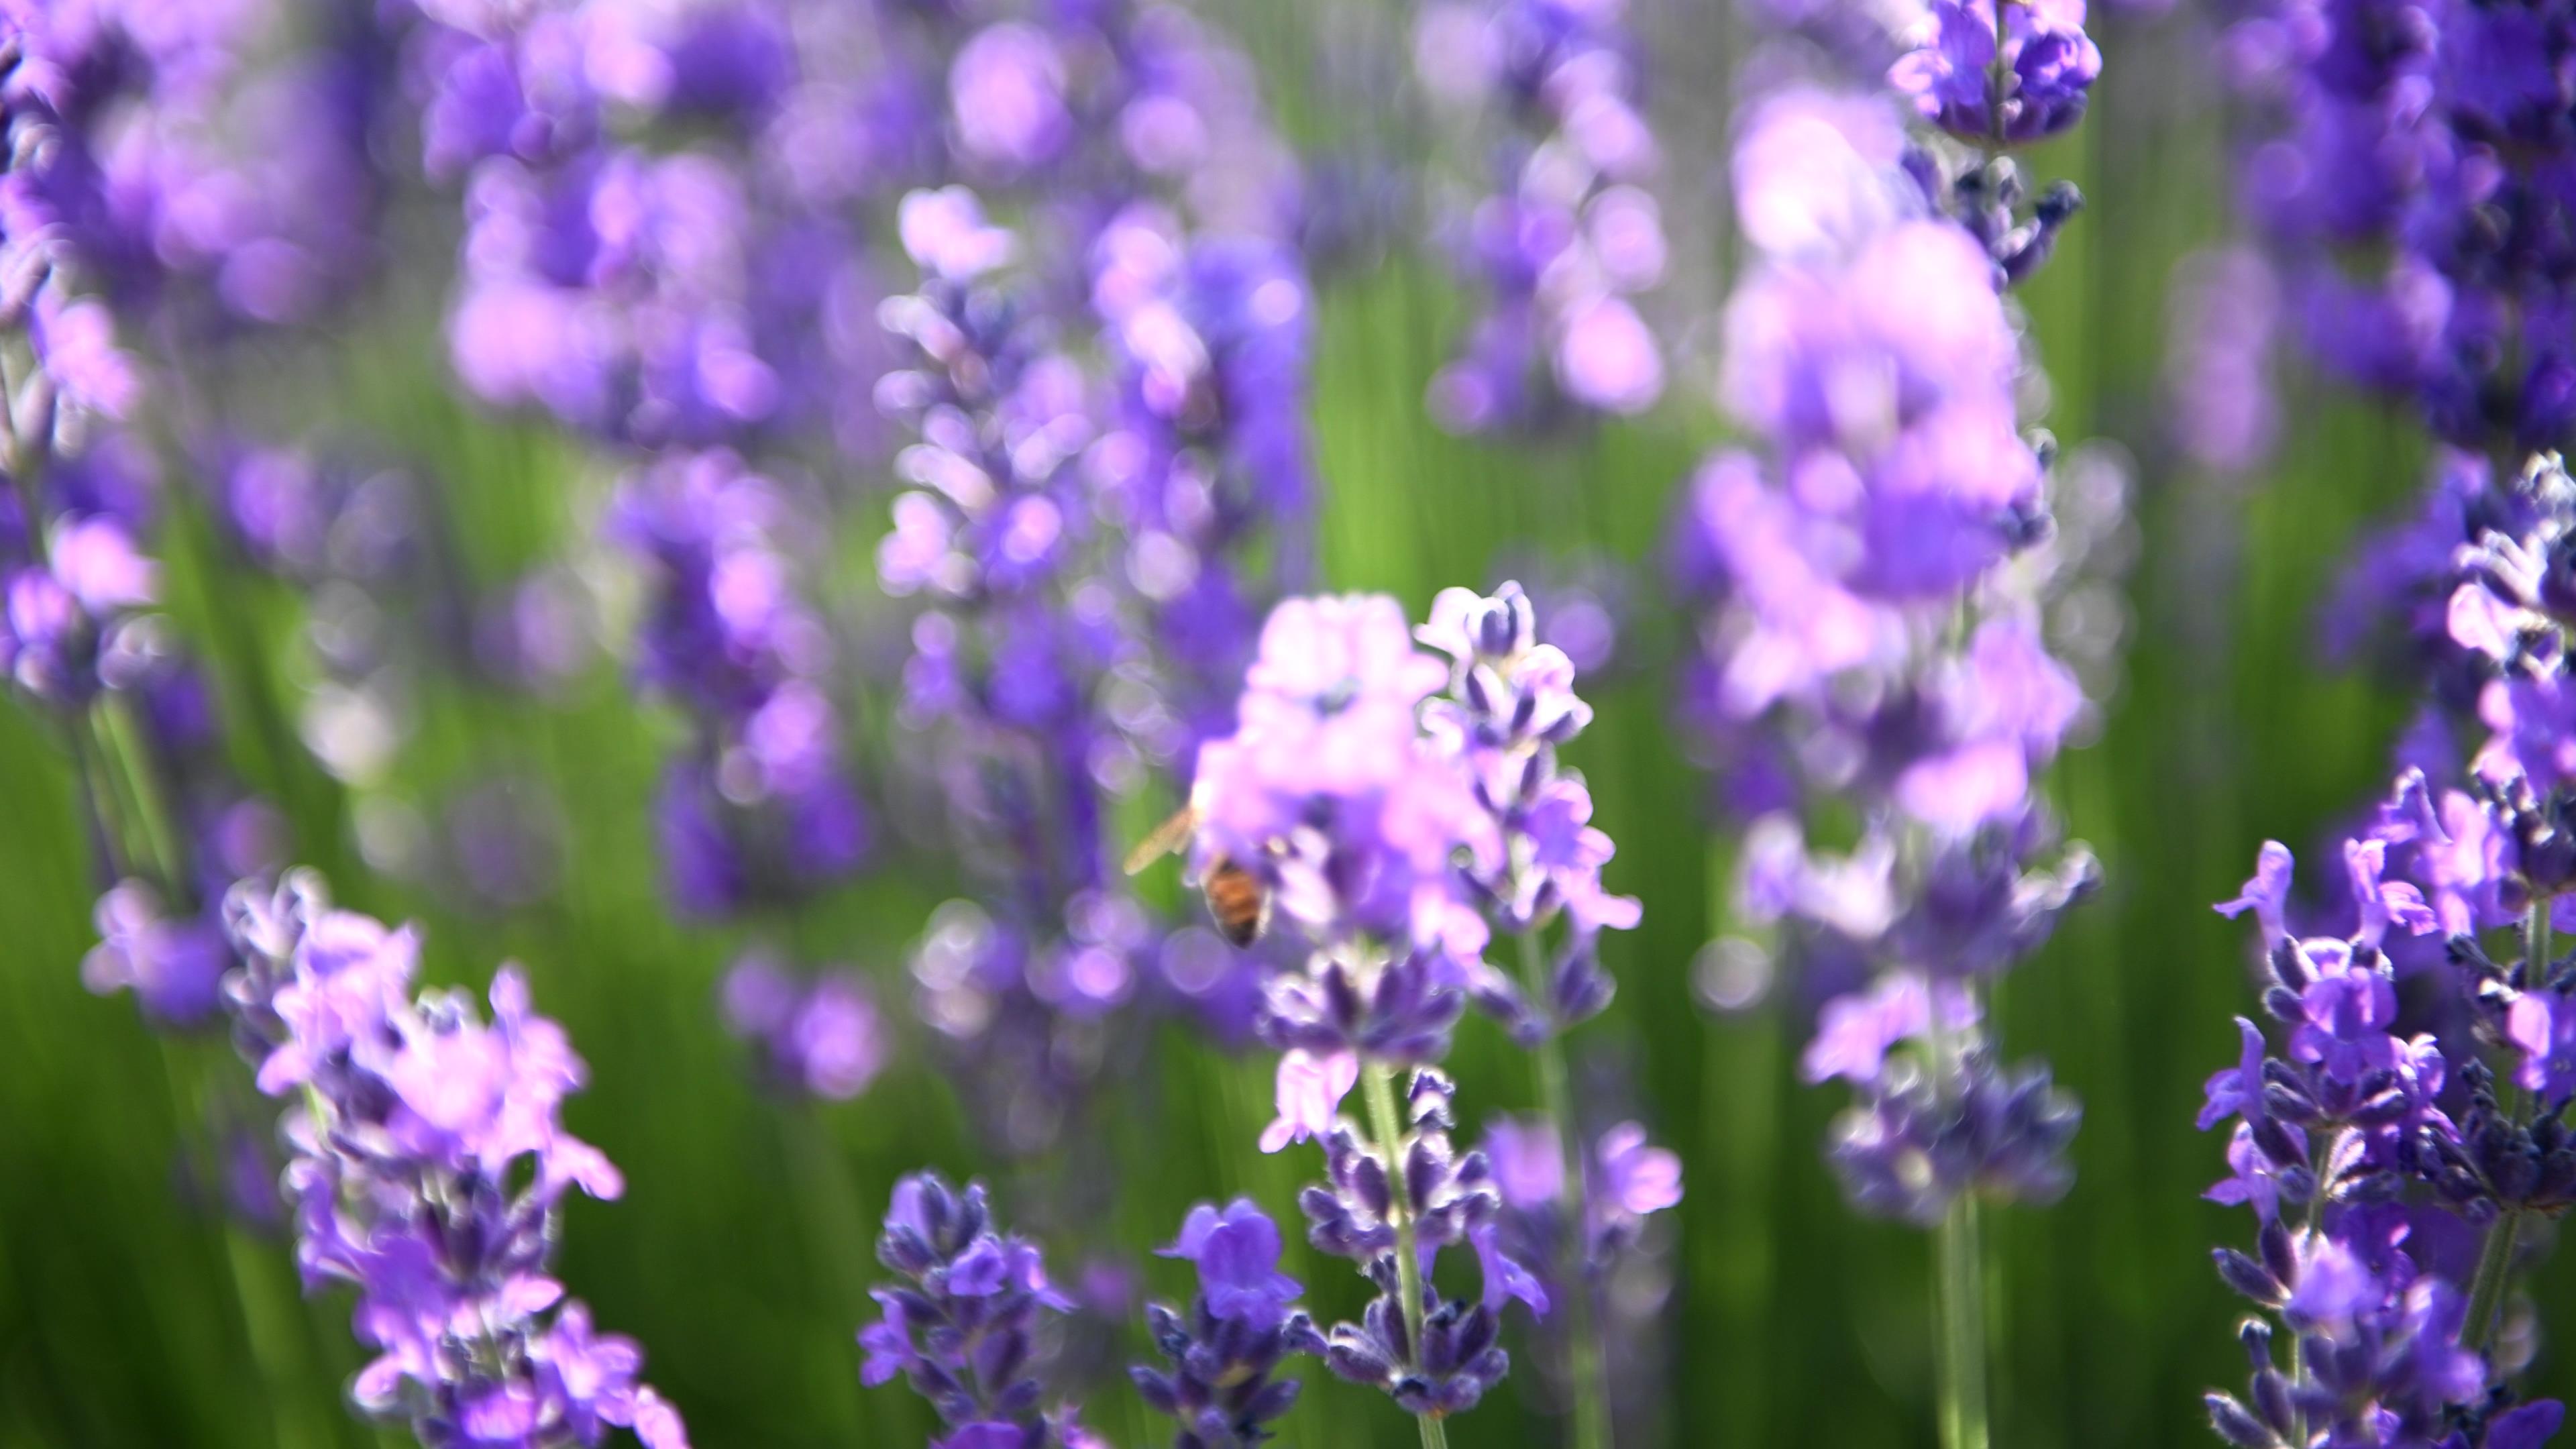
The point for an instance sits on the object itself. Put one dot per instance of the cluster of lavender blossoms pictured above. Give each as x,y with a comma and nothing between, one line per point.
1012,651
428,1171
2408,166
1081,561
2396,1144
1875,676
2000,70
759,808
1225,1351
2410,179
965,1325
1868,636
1397,828
110,126
1569,234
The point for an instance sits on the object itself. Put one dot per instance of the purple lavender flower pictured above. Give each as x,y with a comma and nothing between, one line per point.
1623,1181
761,806
2223,406
173,965
1569,235
1920,1139
1413,1193
1209,458
821,1038
2047,67
962,1326
2403,172
1871,633
2351,1122
414,1120
1238,1330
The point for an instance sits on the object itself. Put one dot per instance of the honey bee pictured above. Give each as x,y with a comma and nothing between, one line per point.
1237,899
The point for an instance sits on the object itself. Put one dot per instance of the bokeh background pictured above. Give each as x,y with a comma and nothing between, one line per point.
741,1252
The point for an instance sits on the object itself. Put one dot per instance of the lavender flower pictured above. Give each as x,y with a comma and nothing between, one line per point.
1871,634
2223,404
2035,88
963,1325
1380,1205
2379,1117
2347,1126
1569,234
1623,1181
2404,170
760,807
821,1038
1874,597
415,1121
1511,703
1238,1330
1018,654
1207,460
1343,793
173,965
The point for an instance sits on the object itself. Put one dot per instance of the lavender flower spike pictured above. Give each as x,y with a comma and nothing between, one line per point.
1355,798
2047,68
1238,1330
413,1119
962,1325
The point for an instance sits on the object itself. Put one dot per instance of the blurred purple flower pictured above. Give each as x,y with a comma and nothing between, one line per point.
820,1037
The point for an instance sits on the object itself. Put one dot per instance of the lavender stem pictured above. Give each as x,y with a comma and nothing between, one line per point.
1556,1099
1961,1306
2495,1261
1959,1289
2495,1268
279,1366
1389,1127
125,755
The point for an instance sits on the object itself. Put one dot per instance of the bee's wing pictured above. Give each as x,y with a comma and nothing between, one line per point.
1172,835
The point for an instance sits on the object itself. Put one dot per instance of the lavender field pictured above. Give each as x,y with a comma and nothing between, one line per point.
1046,724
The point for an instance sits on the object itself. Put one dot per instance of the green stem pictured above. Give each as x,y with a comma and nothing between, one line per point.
1556,1099
278,1360
2495,1268
1999,77
834,1228
123,748
2299,1341
1388,1124
1961,1297
2495,1261
1959,1283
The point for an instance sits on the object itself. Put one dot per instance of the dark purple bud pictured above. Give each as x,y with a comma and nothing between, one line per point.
2272,1399
2247,1277
1155,1389
2235,1425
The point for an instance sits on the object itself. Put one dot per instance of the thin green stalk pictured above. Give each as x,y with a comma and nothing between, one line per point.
2299,1341
123,748
835,1229
1999,75
1960,1296
2495,1269
2495,1261
125,798
1556,1098
1959,1283
1388,1124
278,1359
